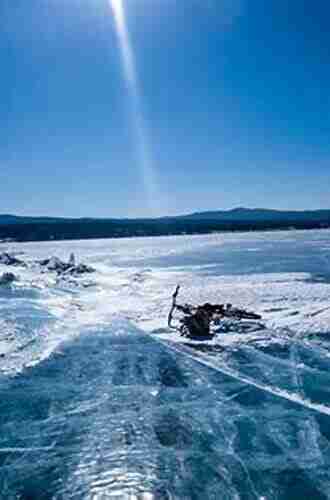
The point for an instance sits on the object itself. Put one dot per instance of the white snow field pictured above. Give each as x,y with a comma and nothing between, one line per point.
99,399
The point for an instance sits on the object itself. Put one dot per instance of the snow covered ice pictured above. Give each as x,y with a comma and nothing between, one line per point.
99,400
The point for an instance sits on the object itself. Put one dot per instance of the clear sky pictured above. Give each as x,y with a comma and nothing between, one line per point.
233,99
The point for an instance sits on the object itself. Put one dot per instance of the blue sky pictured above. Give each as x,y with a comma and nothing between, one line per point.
234,96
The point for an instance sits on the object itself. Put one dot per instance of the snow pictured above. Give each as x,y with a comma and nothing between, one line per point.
100,400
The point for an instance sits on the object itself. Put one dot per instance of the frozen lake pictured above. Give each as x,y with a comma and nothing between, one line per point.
99,400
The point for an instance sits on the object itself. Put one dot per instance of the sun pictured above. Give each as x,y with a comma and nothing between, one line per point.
117,6
118,12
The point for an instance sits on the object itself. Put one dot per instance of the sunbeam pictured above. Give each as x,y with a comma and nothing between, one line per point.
144,156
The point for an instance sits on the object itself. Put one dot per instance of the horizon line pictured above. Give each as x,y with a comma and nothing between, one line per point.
146,217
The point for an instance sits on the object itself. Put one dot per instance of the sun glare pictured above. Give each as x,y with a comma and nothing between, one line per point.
144,154
117,5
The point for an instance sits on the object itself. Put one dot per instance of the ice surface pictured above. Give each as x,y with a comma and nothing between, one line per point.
99,400
115,413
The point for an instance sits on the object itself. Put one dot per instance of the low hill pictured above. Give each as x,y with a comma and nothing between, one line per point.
261,214
240,219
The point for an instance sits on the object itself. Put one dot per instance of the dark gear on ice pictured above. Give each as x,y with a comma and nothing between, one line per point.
197,321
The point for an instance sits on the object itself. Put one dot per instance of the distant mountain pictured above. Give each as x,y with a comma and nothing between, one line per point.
241,214
236,214
20,228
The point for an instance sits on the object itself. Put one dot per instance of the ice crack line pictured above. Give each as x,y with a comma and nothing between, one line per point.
325,410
